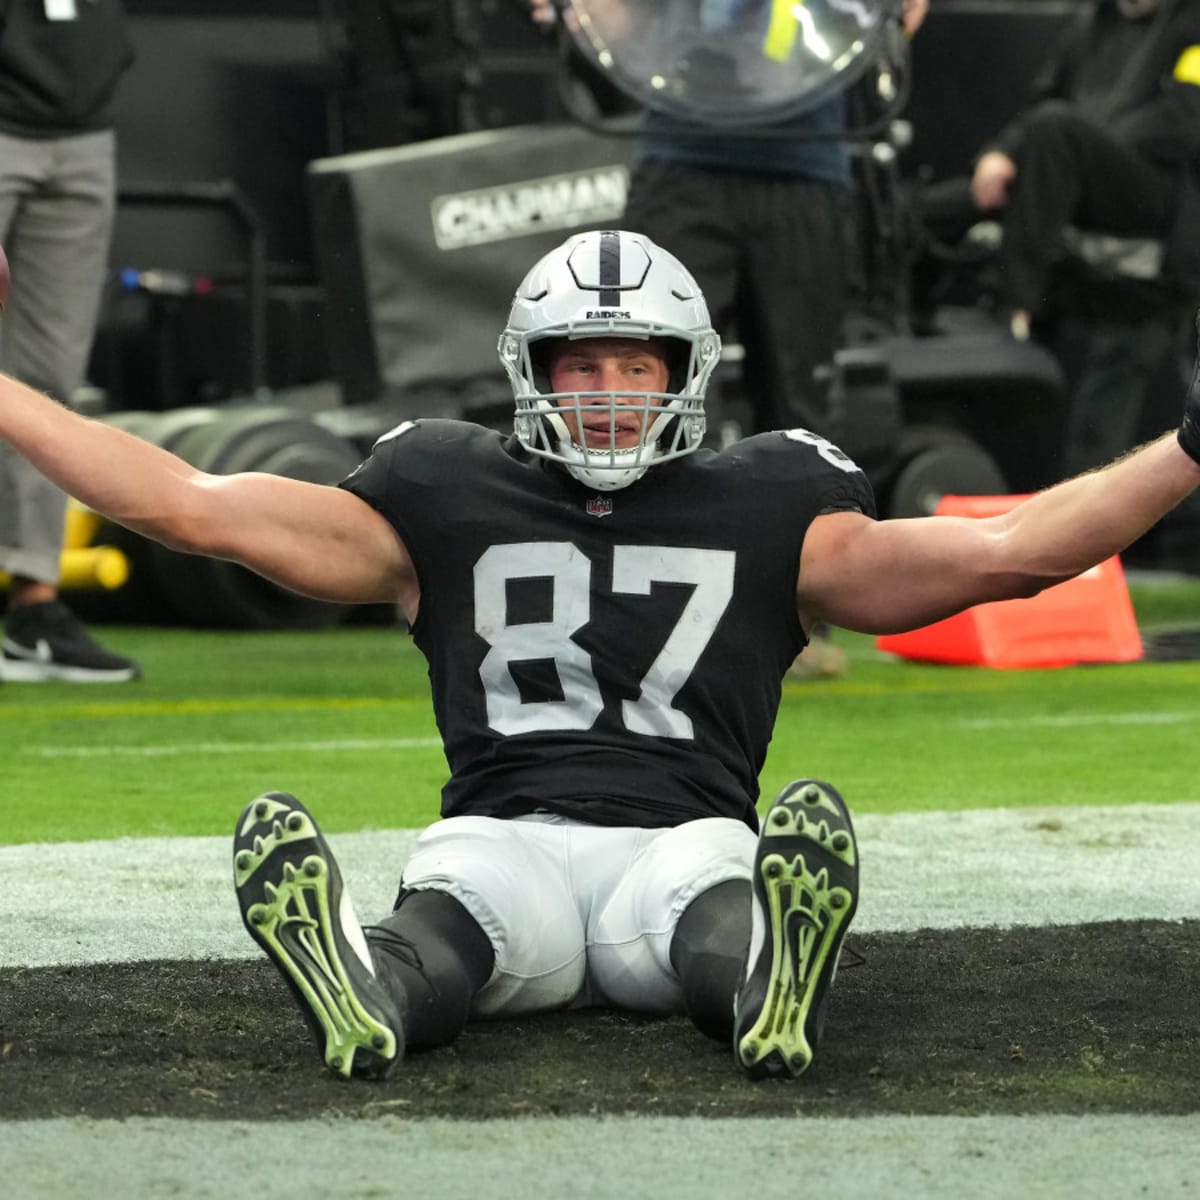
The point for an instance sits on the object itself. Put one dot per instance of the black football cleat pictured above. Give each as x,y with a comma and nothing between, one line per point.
47,642
293,903
805,894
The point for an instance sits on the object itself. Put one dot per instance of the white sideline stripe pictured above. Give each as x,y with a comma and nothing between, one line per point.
229,748
150,898
636,1158
1077,720
162,750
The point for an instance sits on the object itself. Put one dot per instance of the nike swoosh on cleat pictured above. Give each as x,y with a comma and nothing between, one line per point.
290,932
40,652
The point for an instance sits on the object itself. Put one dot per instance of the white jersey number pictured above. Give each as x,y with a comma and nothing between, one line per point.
825,448
635,570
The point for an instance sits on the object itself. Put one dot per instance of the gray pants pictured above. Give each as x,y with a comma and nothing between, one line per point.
57,205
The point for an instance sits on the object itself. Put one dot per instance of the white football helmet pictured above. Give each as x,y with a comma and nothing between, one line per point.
618,285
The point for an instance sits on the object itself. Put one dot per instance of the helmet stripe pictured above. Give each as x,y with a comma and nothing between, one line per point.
610,270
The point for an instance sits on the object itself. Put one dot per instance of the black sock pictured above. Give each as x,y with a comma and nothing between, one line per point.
708,950
432,954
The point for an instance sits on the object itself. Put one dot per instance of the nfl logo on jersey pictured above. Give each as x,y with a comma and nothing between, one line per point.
599,506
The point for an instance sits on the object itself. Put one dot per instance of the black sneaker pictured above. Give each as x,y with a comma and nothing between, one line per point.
295,907
805,894
47,641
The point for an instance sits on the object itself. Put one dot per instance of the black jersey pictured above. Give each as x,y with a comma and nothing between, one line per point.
612,656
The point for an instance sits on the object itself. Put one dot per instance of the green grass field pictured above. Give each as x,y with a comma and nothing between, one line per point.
342,718
1046,1062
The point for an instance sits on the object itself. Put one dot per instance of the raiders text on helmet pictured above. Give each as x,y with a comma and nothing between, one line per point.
619,285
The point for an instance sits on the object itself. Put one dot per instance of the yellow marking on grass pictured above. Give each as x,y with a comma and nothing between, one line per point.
206,748
104,710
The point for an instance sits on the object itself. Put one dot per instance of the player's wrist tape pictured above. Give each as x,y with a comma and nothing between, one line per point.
1189,431
1189,436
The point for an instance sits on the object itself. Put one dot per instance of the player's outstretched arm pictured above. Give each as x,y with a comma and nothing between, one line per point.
889,576
321,541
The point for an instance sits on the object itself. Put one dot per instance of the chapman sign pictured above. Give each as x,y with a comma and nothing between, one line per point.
515,209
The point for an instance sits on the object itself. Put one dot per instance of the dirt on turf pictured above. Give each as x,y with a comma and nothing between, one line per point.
1097,1018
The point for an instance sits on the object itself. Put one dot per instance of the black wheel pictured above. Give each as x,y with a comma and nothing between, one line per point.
169,427
937,462
162,428
275,441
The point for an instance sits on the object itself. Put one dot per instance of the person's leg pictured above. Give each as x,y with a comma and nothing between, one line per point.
822,658
741,933
31,508
791,302
670,917
1072,172
708,951
792,294
682,209
952,245
57,206
1120,359
484,925
500,891
434,954
59,200
944,211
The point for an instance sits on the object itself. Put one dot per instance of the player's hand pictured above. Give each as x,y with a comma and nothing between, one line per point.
1189,431
914,15
989,184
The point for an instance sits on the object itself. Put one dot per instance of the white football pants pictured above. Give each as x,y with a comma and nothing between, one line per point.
578,914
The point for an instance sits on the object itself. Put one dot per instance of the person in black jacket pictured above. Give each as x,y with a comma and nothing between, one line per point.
60,63
1109,143
1108,147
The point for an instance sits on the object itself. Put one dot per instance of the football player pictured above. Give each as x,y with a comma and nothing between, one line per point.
608,609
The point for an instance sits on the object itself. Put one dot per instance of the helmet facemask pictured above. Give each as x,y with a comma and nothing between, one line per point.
559,299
